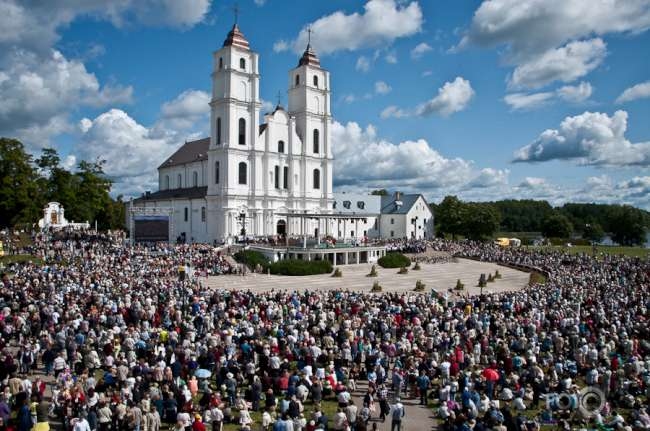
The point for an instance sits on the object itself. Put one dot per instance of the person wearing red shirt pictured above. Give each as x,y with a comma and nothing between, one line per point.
198,424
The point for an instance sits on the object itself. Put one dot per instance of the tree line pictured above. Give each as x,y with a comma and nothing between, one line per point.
625,224
27,184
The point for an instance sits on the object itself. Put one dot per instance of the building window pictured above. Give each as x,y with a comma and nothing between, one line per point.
219,131
352,233
277,176
195,179
392,221
347,204
242,131
334,205
361,205
166,182
180,181
280,146
242,173
286,177
297,80
316,179
315,81
203,214
220,63
216,172
392,233
316,141
242,63
186,214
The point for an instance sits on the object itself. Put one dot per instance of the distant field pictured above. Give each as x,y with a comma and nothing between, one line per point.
608,249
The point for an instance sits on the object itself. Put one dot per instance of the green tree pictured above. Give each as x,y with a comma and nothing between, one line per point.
380,192
593,232
20,198
557,226
449,216
628,226
479,220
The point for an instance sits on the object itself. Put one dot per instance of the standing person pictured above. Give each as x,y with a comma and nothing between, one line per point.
397,413
423,382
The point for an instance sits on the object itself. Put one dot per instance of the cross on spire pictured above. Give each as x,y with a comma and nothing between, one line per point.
279,97
235,10
309,32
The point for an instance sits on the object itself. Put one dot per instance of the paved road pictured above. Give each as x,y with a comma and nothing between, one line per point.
416,418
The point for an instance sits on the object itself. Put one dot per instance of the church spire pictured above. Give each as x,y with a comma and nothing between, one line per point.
235,36
309,57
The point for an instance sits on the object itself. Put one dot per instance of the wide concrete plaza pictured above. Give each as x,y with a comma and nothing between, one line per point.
439,276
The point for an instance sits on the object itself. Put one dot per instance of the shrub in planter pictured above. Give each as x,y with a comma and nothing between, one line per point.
490,278
373,272
482,282
497,275
376,287
394,260
251,258
416,267
459,285
337,273
419,286
403,270
301,267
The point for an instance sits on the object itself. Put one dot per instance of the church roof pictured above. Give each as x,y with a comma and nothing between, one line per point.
186,193
236,38
192,151
309,57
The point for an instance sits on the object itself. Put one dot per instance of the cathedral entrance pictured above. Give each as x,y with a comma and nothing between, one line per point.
281,228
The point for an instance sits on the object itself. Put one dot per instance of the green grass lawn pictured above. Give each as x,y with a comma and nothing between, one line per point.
600,249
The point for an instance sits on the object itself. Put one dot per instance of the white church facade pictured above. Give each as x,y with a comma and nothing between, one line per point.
266,179
246,175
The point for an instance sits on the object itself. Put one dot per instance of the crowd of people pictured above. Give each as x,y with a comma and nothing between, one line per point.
104,336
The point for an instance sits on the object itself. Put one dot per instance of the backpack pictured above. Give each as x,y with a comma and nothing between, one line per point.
398,412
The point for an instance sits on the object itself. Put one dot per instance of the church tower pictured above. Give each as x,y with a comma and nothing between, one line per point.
234,117
309,104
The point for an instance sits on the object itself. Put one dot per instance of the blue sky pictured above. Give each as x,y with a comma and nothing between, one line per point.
544,99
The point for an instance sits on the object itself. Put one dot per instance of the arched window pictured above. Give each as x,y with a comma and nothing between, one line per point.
186,213
166,182
286,177
203,214
216,172
316,179
242,63
315,80
220,63
297,80
180,181
242,131
280,146
242,173
218,130
195,179
277,176
316,141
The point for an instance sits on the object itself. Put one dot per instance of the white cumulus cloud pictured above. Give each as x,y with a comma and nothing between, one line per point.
566,64
186,109
37,92
381,22
363,64
382,88
452,97
420,50
638,91
569,93
590,138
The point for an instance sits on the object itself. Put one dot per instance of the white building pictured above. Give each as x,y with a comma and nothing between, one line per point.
405,216
248,175
54,218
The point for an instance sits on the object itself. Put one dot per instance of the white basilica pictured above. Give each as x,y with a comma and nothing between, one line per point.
248,175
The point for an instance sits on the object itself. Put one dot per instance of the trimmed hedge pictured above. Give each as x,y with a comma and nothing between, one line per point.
394,260
301,267
251,258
